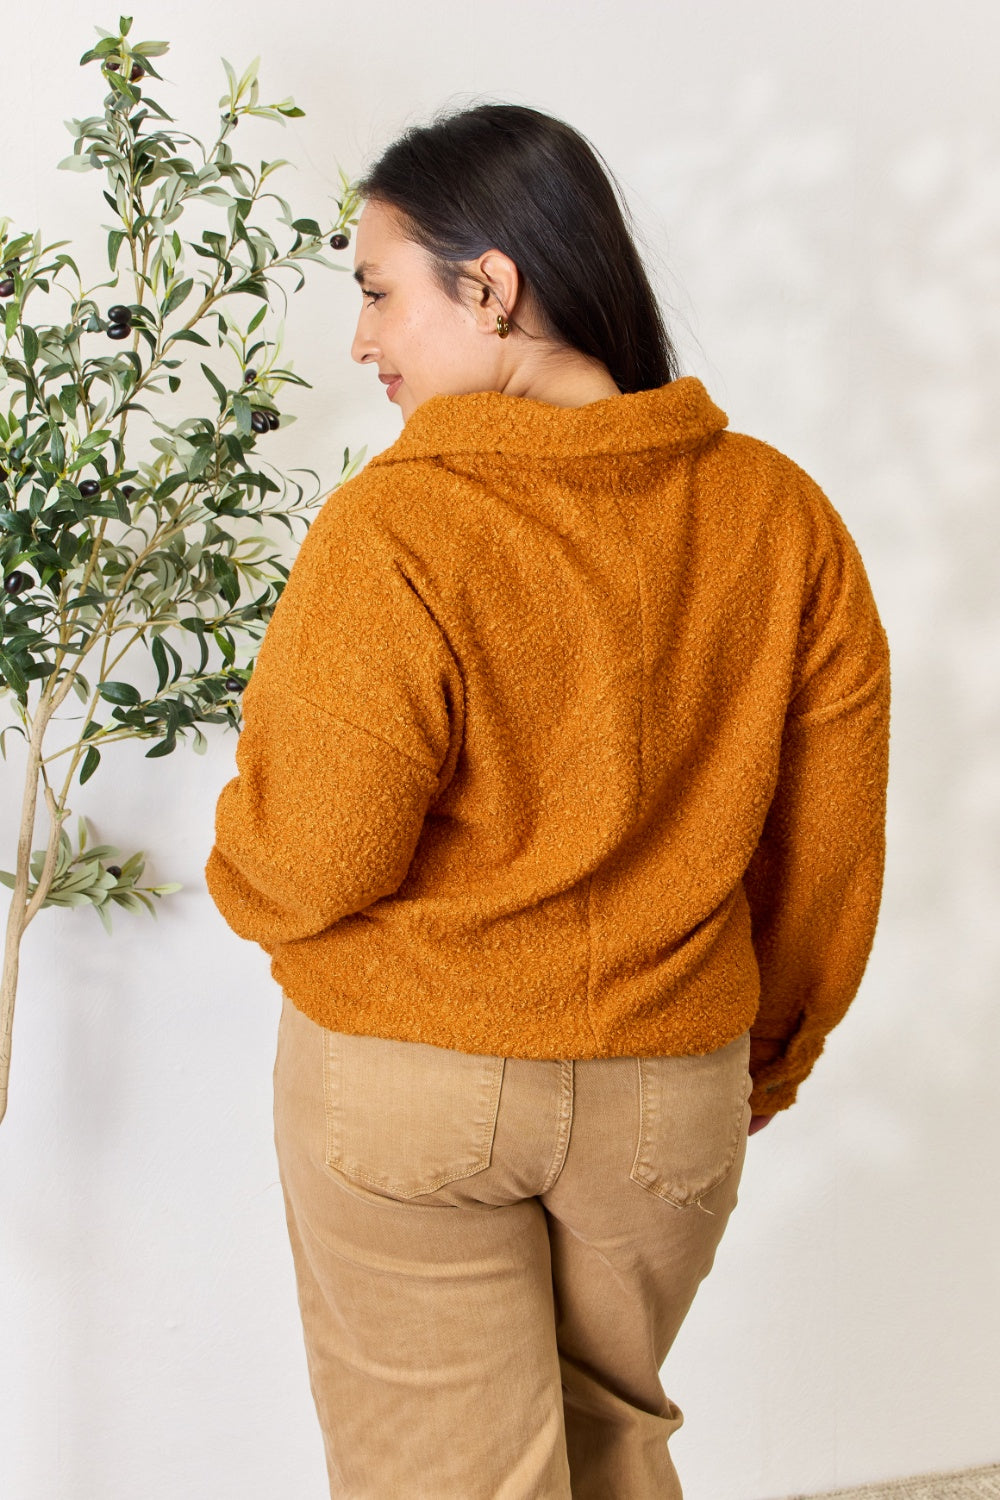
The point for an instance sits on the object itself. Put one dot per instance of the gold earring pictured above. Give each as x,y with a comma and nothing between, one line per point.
503,327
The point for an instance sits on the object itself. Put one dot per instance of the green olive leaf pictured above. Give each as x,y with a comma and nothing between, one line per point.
242,413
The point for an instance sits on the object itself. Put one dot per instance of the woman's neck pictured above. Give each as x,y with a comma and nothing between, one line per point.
572,380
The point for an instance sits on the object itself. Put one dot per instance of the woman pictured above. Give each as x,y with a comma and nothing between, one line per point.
560,809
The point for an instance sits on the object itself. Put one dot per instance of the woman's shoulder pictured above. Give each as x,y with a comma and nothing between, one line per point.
756,455
755,470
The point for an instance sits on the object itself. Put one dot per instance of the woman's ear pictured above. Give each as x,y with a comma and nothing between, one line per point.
501,285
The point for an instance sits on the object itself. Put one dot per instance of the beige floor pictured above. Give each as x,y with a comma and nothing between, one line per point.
971,1484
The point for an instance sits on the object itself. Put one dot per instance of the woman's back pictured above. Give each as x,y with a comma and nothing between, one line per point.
582,637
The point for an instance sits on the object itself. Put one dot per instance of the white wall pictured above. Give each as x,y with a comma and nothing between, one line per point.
819,192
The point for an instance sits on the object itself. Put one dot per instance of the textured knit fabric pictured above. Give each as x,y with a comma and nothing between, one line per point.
568,737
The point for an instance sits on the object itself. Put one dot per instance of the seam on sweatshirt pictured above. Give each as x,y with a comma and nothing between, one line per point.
642,645
363,729
850,700
639,728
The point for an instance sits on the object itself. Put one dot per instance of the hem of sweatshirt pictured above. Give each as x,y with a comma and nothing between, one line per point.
501,1033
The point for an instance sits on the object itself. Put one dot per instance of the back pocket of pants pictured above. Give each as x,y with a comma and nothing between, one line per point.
691,1120
404,1118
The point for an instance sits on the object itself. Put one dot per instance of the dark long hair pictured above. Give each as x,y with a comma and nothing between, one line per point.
508,177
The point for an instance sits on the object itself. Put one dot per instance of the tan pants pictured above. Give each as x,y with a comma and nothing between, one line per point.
494,1256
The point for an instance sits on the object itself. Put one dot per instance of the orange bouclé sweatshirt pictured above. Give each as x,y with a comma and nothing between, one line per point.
568,738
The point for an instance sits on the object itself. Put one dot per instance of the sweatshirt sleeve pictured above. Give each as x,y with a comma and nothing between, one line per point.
346,739
814,883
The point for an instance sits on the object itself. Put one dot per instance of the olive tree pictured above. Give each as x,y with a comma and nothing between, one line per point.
131,489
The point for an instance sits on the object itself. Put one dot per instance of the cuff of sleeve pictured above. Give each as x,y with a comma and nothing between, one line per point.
769,1098
777,1069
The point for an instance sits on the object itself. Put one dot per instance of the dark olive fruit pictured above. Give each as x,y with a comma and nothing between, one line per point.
7,287
112,64
231,119
234,684
115,870
249,377
136,73
273,420
340,241
258,421
119,313
119,330
15,582
128,490
3,473
89,487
